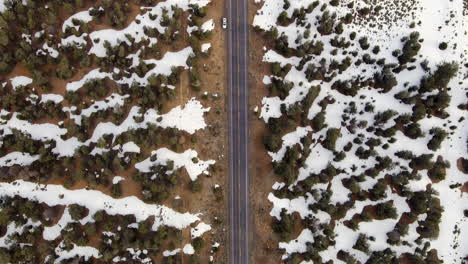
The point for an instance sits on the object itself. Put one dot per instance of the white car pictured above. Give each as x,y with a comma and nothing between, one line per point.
224,23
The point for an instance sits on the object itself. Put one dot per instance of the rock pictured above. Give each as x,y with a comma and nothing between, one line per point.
393,237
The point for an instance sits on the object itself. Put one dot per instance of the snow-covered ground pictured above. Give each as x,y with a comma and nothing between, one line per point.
189,160
94,201
436,22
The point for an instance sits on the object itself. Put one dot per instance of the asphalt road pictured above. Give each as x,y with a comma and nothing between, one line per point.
237,35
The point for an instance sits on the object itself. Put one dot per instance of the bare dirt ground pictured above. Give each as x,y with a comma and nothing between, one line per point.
264,241
212,141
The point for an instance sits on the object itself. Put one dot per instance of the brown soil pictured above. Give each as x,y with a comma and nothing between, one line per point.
19,70
211,142
460,163
464,188
264,241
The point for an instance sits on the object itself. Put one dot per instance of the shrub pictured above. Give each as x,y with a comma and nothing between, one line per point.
364,43
429,228
432,258
364,11
272,142
413,131
283,19
383,117
332,135
386,256
410,48
378,191
4,256
386,210
285,225
64,70
194,259
440,78
443,46
376,50
77,212
196,186
346,257
438,136
419,202
198,243
438,172
116,190
318,122
326,23
385,80
405,154
422,162
419,112
361,243
218,193
438,102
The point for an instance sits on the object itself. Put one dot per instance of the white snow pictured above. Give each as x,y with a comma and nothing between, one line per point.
55,98
95,201
208,26
20,81
82,251
17,158
188,118
163,66
205,47
94,74
136,29
37,131
73,40
130,147
46,49
199,230
12,228
117,179
185,159
83,16
114,101
439,21
188,249
290,140
53,232
297,245
278,185
168,253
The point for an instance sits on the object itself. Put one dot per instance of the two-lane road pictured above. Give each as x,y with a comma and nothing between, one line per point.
237,35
